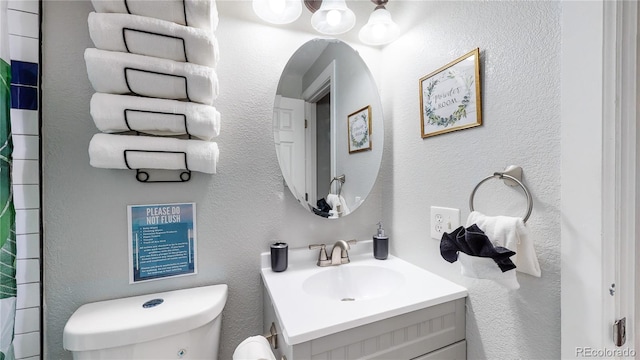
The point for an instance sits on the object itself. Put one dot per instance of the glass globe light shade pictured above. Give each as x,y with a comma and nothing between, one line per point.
278,11
380,29
333,17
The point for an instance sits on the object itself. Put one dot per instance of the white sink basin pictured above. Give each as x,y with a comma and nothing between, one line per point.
311,301
353,283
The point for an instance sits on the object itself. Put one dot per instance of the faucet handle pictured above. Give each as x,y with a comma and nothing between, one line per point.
318,246
352,242
323,259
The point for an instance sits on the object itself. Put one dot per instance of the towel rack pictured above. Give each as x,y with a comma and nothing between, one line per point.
512,176
126,118
126,46
184,8
127,69
143,176
341,179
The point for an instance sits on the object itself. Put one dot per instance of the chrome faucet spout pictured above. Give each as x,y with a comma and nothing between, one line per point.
339,253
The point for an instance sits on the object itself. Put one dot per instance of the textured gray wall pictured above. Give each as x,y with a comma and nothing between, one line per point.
520,70
239,210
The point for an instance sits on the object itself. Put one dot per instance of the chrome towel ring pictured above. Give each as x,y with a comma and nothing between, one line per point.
341,179
514,175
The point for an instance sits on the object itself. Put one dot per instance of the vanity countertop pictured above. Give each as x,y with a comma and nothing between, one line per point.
305,317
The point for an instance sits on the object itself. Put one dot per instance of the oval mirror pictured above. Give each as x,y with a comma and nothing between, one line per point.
328,128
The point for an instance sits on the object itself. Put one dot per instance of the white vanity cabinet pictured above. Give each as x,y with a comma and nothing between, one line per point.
435,332
365,309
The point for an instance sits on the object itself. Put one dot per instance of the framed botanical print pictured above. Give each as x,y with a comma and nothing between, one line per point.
359,129
450,97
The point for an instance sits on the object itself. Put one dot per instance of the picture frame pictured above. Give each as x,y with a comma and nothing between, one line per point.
359,130
450,97
162,241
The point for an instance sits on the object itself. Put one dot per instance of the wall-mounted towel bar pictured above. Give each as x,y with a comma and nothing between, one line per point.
512,176
154,74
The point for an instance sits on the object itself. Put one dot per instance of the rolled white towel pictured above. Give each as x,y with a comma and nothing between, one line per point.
123,73
202,14
111,113
153,37
254,348
145,152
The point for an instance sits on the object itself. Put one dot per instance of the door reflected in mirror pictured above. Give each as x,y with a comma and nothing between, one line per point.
327,105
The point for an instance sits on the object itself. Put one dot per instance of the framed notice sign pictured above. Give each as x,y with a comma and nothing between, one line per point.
162,241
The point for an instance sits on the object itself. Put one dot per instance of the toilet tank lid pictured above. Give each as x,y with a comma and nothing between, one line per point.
120,322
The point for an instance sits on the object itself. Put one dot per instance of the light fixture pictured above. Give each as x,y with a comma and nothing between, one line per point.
380,29
278,11
333,17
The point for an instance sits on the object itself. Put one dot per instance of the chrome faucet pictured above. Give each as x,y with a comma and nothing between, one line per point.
339,254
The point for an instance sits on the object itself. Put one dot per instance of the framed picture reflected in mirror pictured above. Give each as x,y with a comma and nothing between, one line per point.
359,129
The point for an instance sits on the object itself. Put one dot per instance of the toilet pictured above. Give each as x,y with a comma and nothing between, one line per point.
180,324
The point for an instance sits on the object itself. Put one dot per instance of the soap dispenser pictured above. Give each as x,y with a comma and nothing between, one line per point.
380,244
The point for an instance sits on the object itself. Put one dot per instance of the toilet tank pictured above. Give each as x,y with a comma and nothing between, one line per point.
180,324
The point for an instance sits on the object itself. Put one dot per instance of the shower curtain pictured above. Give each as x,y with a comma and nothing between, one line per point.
8,286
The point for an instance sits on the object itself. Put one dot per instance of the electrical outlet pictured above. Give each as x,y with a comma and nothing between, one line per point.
443,220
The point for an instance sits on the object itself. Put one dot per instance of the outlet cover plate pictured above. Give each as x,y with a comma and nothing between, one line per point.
443,220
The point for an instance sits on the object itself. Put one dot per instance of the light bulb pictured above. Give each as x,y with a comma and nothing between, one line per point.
378,31
334,17
277,6
277,11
